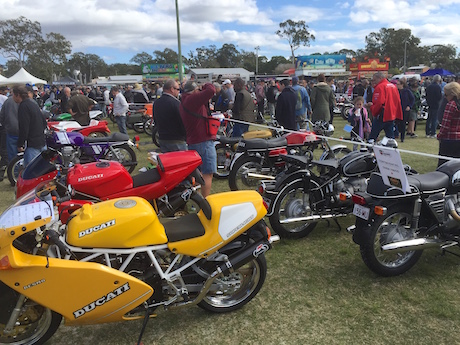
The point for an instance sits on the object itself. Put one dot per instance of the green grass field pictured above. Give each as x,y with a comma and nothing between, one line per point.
318,291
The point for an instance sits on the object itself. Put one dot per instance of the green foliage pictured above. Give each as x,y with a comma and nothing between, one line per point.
296,33
141,58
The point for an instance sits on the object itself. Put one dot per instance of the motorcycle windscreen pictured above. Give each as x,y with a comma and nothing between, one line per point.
82,292
40,165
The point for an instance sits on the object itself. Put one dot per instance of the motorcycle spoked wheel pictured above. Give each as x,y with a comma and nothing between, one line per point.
139,126
238,178
155,136
345,111
125,155
237,288
393,227
14,169
295,202
35,324
148,126
222,152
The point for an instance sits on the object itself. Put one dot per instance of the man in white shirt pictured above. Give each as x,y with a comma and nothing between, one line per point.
120,107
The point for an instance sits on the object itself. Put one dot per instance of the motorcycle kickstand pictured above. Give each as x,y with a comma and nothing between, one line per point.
144,325
337,222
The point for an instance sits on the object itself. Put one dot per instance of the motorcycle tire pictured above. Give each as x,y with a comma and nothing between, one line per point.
244,284
127,157
139,127
224,154
14,169
35,324
237,178
294,202
148,126
346,110
156,136
393,227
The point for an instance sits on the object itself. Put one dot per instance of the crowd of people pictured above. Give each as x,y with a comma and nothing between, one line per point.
182,110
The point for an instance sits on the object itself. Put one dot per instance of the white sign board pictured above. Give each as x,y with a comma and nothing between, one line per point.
391,168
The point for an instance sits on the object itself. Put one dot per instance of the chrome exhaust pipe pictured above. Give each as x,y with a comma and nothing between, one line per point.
313,218
414,244
267,177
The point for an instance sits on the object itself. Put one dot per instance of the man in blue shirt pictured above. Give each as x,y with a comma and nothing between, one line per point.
303,106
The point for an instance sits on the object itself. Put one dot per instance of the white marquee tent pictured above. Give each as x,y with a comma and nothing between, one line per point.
22,77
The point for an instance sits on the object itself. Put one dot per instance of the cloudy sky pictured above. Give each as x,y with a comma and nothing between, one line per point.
116,30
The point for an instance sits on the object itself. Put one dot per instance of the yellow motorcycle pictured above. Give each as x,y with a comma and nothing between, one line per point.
116,261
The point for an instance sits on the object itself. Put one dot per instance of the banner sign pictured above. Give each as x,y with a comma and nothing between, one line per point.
160,68
391,168
373,65
321,62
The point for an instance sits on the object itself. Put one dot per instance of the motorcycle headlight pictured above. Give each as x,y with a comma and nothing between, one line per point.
329,131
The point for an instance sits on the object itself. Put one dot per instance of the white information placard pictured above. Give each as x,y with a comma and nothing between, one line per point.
391,168
24,214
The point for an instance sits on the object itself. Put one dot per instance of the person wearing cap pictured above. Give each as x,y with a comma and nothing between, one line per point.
194,111
243,108
303,106
229,92
139,95
167,118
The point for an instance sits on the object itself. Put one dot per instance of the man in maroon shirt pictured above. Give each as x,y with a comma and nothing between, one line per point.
194,111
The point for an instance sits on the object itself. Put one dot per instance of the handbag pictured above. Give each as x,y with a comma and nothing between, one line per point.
212,124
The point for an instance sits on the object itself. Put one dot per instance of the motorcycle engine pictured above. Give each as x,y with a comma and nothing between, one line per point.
349,186
452,202
69,156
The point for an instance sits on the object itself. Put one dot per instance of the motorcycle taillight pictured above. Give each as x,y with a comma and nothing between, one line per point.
358,199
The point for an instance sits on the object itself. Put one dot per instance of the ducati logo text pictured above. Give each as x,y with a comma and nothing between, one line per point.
90,177
96,228
101,301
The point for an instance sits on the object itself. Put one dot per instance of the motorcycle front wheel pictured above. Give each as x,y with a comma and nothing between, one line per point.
155,136
346,110
148,126
123,154
237,288
393,227
295,202
238,178
224,157
35,324
14,168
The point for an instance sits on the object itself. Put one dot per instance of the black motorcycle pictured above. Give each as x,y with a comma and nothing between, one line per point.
309,191
393,228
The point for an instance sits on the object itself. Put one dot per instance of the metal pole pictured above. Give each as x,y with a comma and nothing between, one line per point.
405,48
257,59
178,43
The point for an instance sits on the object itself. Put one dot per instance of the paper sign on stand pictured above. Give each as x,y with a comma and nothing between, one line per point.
391,168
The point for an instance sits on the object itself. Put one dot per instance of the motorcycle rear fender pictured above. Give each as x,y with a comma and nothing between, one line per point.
232,214
333,148
82,292
299,175
239,154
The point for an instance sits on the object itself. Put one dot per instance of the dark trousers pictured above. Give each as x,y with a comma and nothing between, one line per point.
3,148
378,125
449,148
432,121
260,107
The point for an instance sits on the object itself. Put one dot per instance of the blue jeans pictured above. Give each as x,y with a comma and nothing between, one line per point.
378,125
11,146
207,151
239,129
121,122
30,153
431,122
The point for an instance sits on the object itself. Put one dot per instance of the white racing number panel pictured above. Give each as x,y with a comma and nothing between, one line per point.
233,218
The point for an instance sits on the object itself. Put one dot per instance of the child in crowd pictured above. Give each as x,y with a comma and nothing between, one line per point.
359,120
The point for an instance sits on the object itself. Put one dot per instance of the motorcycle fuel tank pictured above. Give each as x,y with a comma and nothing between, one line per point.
99,179
118,223
358,163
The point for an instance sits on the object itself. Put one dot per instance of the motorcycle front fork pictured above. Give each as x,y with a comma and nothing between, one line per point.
14,315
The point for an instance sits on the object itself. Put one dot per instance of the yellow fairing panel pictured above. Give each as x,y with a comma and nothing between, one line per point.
82,292
118,223
232,214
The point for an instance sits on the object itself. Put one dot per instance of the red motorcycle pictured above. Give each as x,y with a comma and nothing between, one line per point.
96,128
168,186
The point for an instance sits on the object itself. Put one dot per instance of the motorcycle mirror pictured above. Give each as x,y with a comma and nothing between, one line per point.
348,128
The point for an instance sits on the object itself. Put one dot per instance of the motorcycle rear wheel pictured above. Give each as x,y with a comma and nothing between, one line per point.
125,155
346,110
14,169
238,288
238,178
155,136
139,127
35,325
393,227
294,202
148,126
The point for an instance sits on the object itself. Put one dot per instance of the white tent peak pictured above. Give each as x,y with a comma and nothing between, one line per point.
23,77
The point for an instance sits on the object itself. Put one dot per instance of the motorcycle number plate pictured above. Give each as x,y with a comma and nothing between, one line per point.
361,211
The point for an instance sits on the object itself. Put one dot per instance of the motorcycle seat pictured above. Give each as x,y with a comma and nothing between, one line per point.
145,178
331,163
113,137
262,144
430,181
300,161
183,228
228,141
